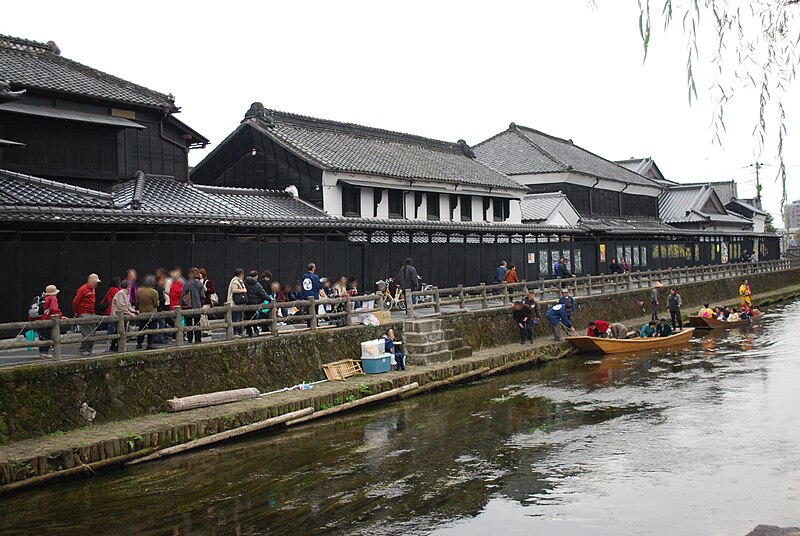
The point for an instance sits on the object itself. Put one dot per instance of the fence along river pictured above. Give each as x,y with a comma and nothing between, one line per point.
694,440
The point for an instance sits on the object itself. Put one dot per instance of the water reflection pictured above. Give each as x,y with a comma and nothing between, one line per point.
698,440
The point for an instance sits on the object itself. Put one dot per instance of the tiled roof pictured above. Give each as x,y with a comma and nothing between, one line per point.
684,204
24,190
277,203
626,225
31,64
740,206
522,150
346,147
539,207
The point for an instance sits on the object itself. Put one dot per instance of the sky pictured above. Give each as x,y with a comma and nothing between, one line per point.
445,70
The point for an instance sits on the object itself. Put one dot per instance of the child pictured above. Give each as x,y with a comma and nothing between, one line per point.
391,347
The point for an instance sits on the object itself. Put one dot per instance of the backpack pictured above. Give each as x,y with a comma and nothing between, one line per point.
556,266
186,298
37,309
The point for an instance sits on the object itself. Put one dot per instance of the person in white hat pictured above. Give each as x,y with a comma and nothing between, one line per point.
655,299
51,310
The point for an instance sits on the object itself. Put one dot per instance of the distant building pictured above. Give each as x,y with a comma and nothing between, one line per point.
792,214
749,209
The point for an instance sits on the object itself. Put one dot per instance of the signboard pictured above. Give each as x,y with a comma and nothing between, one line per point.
531,258
724,257
602,253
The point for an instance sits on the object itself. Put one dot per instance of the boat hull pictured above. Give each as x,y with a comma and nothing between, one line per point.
616,346
700,322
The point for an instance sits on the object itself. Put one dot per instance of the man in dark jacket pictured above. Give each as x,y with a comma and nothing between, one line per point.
674,304
563,269
558,315
407,278
255,295
522,313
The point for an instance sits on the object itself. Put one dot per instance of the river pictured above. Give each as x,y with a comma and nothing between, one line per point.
702,440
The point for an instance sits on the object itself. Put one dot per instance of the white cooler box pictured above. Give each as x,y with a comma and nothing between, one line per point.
373,348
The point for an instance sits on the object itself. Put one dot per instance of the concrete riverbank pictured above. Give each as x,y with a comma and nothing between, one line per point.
112,442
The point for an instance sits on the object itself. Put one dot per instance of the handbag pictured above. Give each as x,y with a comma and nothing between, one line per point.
214,299
240,298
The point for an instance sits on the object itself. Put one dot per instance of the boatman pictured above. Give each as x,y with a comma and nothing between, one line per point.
744,295
598,328
558,315
655,300
674,304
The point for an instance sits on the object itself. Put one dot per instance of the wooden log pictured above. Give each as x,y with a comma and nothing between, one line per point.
209,440
447,381
67,473
350,405
211,399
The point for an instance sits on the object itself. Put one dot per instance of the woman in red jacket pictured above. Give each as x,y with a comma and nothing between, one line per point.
51,310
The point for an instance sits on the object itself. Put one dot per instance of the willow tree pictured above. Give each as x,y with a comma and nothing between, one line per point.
755,44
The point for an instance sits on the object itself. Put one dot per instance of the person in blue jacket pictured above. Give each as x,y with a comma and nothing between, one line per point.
558,315
566,299
310,286
648,330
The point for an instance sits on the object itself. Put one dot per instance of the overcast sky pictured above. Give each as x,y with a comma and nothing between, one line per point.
444,70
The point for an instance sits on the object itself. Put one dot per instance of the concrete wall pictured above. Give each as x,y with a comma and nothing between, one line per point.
44,398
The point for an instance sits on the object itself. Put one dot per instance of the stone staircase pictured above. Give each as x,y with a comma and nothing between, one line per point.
425,342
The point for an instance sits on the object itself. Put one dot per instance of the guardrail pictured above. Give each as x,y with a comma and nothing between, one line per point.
344,311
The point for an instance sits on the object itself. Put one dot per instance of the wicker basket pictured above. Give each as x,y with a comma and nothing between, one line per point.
339,370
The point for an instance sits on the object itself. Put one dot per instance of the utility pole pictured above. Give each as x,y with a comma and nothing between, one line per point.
758,166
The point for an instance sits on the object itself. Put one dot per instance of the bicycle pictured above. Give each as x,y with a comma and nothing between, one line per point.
388,300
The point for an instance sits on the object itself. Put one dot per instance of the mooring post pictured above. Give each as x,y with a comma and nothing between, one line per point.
461,304
589,285
228,322
273,318
409,297
505,293
313,310
121,332
484,303
178,327
437,304
348,309
541,289
56,336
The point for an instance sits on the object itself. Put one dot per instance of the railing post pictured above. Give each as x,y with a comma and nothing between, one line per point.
410,304
178,327
312,309
348,309
56,336
461,303
628,276
121,342
437,304
228,322
602,283
541,290
273,318
484,303
505,293
589,285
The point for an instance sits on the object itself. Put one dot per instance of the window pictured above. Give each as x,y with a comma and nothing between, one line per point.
605,202
396,204
377,196
417,203
466,208
453,206
433,206
639,205
501,208
351,201
487,201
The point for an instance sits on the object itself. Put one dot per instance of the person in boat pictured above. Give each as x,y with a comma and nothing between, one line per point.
745,293
648,330
705,311
718,314
619,331
522,313
663,329
598,328
558,315
734,316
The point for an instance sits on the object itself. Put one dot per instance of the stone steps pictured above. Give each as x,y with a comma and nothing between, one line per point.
426,342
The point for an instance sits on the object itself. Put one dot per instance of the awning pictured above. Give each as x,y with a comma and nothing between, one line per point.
9,143
68,115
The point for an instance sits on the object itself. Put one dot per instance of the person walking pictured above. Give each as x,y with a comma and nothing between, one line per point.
149,304
655,300
192,297
82,306
558,315
511,275
121,304
237,295
256,295
133,287
614,267
674,304
51,310
408,279
113,288
500,272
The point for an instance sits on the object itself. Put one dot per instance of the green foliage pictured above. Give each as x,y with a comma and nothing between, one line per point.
364,390
131,440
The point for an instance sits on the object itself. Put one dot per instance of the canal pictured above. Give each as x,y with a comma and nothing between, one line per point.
701,440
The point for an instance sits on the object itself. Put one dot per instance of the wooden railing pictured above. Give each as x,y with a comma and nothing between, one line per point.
345,311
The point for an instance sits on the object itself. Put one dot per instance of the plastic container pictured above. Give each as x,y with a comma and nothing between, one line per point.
373,348
378,364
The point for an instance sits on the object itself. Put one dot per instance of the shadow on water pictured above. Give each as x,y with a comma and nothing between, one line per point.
606,445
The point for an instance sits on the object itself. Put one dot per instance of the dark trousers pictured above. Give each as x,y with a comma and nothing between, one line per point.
525,333
677,321
654,311
236,317
400,359
45,335
143,325
193,336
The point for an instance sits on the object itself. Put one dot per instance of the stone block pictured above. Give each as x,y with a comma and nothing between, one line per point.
461,353
455,344
422,326
433,357
426,348
423,338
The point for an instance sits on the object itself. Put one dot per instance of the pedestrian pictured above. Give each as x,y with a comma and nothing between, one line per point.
149,305
192,297
176,288
133,287
663,329
655,300
113,288
408,279
121,304
558,315
211,300
160,287
674,304
556,268
255,295
511,275
83,306
566,299
623,264
530,301
563,269
51,310
745,294
390,346
340,287
619,331
500,272
237,295
522,313
614,267
265,280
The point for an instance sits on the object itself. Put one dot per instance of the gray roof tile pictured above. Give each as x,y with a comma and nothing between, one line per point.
539,207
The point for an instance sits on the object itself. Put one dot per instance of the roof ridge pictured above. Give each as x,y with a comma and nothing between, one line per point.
29,45
59,185
516,129
210,188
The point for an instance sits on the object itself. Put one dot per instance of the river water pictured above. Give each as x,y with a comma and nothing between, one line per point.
699,440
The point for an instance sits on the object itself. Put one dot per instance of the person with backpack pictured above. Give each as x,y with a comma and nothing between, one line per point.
82,306
46,309
192,296
407,278
256,294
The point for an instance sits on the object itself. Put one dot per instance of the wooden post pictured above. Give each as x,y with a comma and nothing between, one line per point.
505,293
348,309
410,303
56,336
437,304
484,301
178,327
273,318
589,285
228,322
121,342
312,309
541,290
602,283
461,303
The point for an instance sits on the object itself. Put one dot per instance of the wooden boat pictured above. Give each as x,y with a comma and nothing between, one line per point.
615,346
700,322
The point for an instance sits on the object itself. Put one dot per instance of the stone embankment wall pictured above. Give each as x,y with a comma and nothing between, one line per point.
45,398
